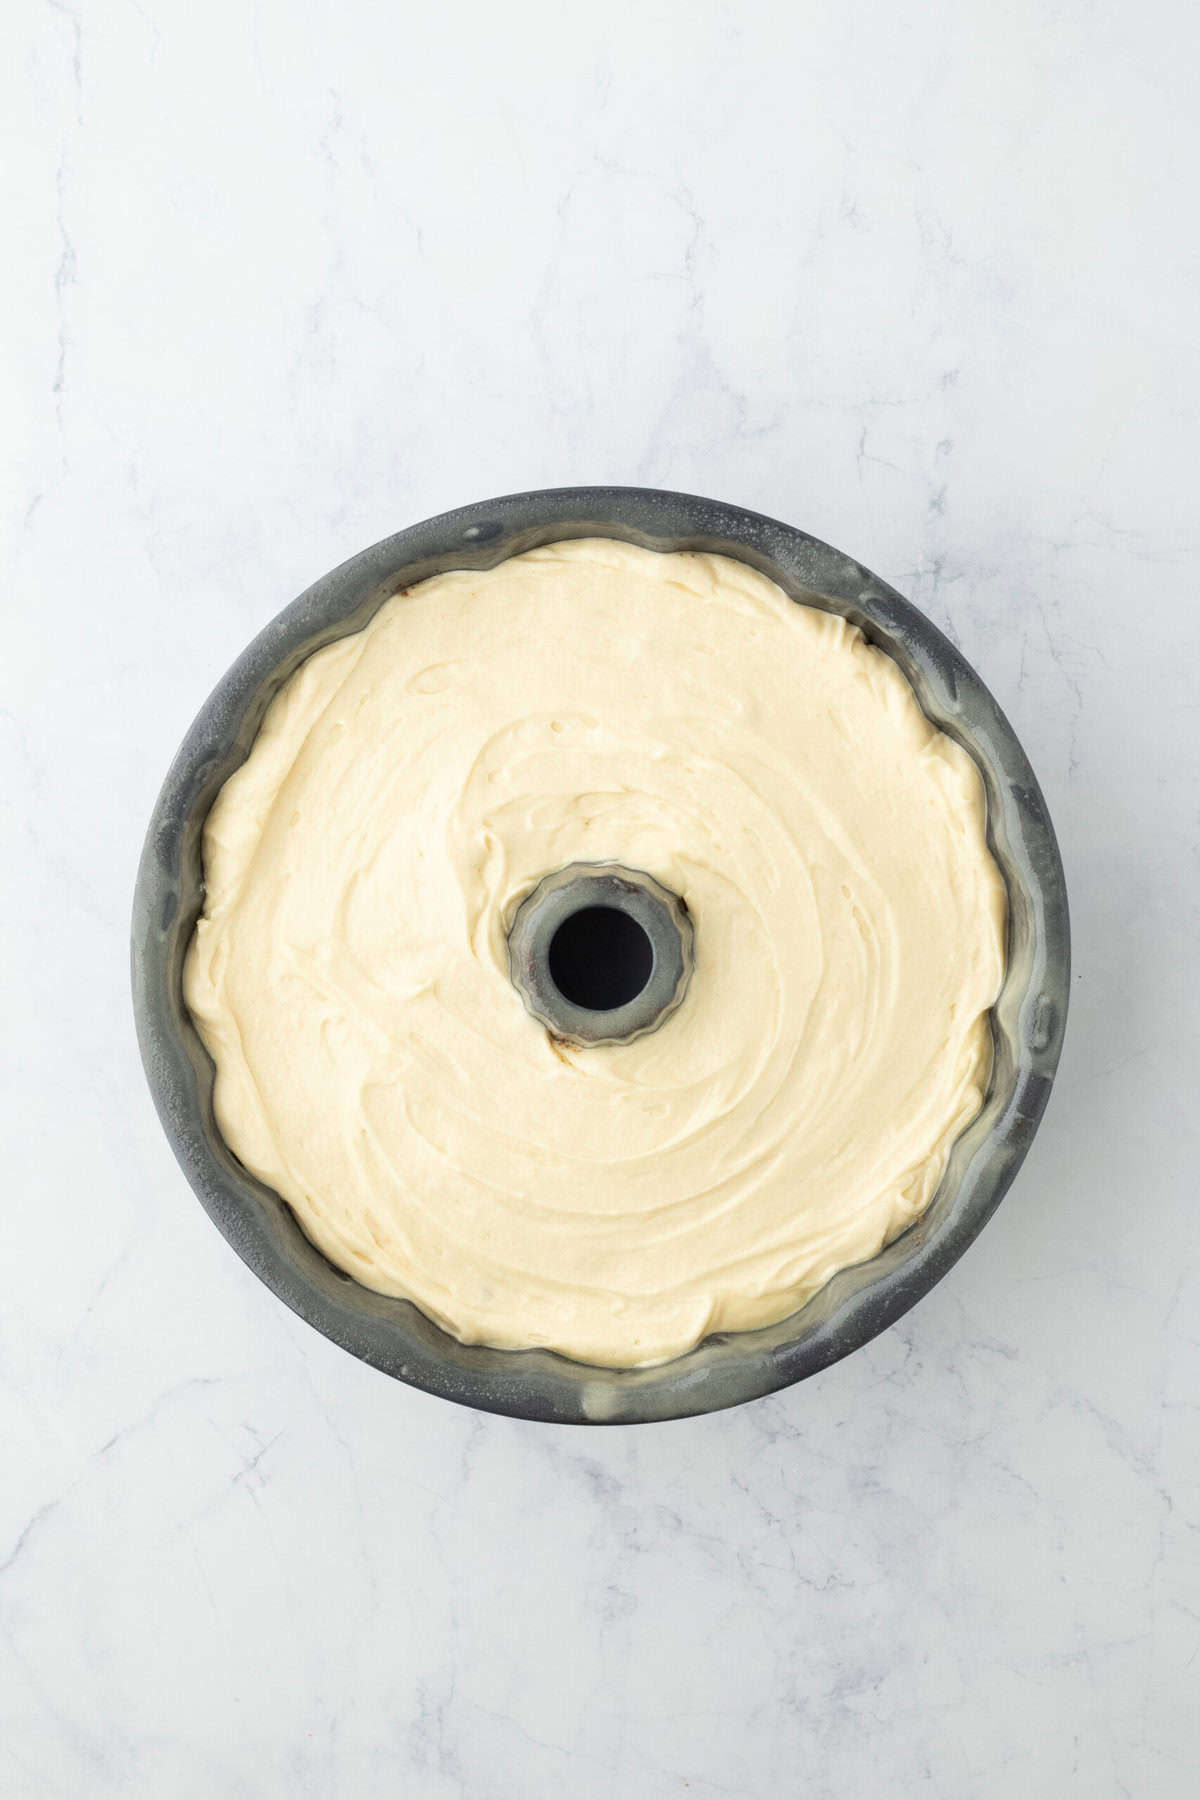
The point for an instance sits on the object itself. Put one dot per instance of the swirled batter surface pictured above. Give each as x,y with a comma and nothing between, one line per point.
595,702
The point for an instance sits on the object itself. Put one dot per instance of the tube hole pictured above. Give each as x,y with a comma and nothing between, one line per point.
600,958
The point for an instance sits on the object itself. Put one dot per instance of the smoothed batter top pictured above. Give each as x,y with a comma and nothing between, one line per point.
594,702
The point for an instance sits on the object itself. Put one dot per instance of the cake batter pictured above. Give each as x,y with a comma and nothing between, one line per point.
593,702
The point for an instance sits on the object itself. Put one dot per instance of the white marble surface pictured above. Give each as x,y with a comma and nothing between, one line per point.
283,279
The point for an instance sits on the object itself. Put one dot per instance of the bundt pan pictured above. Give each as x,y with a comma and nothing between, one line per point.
860,1302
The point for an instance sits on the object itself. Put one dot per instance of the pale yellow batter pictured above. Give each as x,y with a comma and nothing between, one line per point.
593,702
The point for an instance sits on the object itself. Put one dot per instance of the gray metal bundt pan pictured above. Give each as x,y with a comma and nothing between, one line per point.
860,1302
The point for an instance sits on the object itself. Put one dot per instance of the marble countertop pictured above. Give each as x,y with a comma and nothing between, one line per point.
282,280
